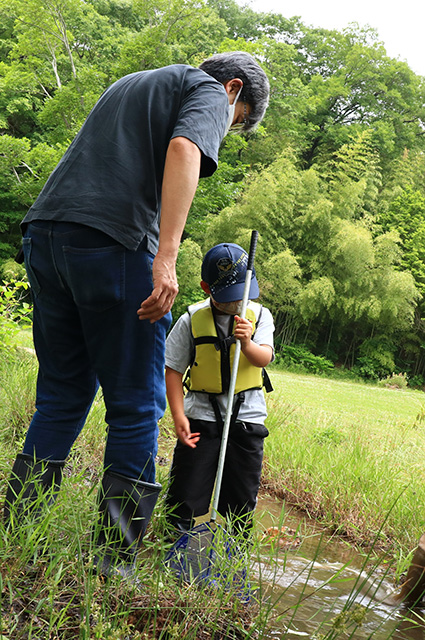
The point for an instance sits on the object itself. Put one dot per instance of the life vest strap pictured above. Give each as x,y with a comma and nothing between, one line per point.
219,343
240,397
205,340
267,383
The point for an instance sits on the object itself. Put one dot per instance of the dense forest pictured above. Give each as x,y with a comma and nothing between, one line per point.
333,179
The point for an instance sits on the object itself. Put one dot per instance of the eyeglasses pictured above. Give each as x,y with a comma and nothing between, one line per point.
241,126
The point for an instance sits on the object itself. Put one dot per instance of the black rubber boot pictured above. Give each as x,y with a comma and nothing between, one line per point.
29,480
177,526
125,508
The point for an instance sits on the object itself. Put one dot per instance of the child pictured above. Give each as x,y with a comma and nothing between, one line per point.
202,342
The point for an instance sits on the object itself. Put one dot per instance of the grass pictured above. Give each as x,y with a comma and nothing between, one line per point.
47,590
351,403
351,455
24,339
333,450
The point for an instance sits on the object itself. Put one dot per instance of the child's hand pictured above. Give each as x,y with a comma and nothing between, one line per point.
184,434
243,330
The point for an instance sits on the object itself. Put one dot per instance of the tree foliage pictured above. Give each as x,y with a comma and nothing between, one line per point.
333,179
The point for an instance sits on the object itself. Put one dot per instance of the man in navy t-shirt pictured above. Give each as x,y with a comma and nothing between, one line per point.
100,246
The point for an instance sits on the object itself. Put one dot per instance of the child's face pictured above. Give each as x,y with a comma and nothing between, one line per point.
230,308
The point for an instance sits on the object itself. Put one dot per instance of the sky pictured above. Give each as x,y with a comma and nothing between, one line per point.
400,25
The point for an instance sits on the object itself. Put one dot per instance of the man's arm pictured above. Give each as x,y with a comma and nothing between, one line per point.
181,175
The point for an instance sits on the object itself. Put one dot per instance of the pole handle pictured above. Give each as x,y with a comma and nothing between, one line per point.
252,249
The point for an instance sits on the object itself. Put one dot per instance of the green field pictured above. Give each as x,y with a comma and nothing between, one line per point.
351,455
348,402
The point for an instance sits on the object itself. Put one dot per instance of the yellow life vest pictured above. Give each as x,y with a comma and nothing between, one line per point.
212,364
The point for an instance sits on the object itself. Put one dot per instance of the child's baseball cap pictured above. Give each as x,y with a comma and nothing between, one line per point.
224,270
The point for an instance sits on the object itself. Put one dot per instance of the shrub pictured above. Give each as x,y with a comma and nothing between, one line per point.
300,357
15,311
395,380
376,358
417,381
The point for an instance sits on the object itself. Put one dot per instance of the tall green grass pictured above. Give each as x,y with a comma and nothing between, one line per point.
350,454
47,590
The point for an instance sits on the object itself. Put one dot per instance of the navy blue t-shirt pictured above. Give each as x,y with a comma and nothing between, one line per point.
110,177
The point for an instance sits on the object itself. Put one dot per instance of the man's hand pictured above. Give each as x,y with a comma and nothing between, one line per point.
182,427
181,174
165,289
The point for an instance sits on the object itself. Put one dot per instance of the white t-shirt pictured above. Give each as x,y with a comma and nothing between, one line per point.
179,349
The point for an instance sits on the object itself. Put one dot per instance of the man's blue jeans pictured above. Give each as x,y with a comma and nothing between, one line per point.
86,290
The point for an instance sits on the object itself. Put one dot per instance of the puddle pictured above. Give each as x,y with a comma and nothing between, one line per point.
322,579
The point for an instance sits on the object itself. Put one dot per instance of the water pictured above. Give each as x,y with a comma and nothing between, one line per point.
324,577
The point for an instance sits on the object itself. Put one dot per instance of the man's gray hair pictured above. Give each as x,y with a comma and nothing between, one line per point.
239,64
